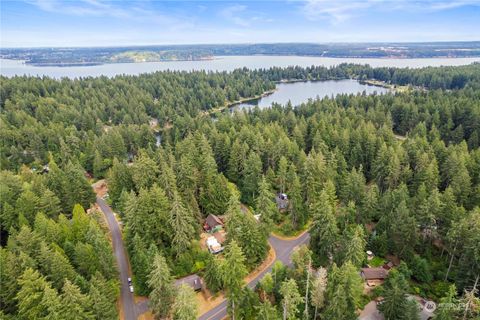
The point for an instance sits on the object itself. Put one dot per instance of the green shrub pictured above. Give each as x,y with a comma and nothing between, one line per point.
421,269
377,262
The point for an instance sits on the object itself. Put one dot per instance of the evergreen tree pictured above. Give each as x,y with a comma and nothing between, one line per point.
446,309
266,311
29,297
144,171
27,204
51,301
295,204
344,291
185,305
397,305
282,174
233,271
319,286
119,179
49,204
75,305
353,246
78,189
162,292
265,206
403,231
182,225
315,175
244,229
55,264
291,299
251,173
324,232
213,274
102,298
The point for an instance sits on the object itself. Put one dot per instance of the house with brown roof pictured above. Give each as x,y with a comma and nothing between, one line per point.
373,273
373,276
212,222
193,281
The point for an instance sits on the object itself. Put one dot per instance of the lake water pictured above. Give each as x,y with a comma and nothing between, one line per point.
11,68
299,92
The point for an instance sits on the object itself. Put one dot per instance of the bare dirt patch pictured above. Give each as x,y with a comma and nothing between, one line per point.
100,188
206,301
146,316
121,316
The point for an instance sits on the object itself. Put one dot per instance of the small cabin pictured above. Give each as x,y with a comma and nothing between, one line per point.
373,273
212,223
193,281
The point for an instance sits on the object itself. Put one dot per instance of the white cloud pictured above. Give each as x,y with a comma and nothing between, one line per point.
232,13
341,10
136,11
82,8
335,11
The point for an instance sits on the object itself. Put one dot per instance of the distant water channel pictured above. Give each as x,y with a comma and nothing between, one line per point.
12,68
300,92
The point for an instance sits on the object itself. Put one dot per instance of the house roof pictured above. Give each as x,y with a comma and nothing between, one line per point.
220,236
194,281
213,245
373,273
212,221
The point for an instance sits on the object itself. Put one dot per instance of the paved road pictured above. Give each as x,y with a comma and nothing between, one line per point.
283,250
122,261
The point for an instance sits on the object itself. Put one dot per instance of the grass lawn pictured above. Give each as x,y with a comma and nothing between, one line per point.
377,262
285,229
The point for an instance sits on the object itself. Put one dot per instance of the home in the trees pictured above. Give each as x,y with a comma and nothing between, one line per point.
193,281
373,276
212,223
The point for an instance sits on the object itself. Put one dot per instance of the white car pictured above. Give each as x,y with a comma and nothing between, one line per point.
129,281
131,289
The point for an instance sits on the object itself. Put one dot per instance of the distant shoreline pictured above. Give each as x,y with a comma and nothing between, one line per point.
220,57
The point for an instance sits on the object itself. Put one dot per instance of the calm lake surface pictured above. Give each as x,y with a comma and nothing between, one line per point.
299,92
11,68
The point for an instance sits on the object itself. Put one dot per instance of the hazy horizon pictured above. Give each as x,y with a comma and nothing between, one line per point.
238,43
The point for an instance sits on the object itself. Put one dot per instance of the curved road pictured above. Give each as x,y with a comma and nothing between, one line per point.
283,251
122,261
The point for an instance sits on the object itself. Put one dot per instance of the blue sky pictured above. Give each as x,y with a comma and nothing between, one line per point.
144,22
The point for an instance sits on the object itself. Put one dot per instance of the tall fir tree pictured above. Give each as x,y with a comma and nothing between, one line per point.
162,293
324,231
185,306
265,206
183,225
233,271
291,299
